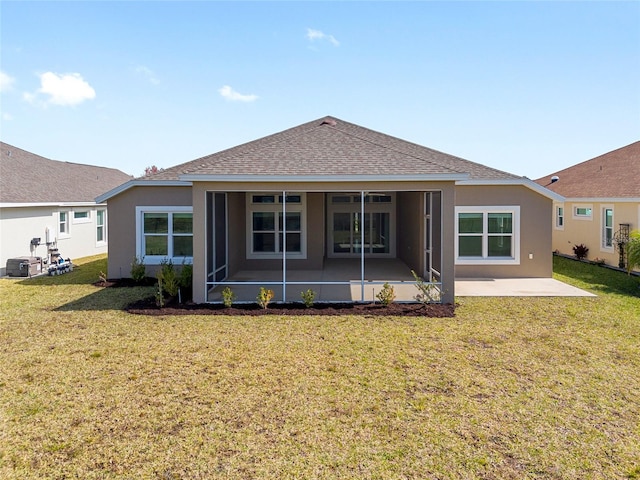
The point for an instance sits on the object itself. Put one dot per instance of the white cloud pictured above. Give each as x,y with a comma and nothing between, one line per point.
148,74
62,89
6,82
230,94
314,35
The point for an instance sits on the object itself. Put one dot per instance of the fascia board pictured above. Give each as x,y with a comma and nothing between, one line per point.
49,204
140,183
525,182
602,199
440,177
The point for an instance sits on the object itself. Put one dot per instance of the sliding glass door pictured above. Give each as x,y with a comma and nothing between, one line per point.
350,231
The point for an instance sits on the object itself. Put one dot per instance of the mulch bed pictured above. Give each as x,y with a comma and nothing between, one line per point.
149,307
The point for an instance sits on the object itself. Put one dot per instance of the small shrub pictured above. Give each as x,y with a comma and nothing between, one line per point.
633,251
138,269
169,278
427,292
308,298
228,297
599,261
580,251
387,295
264,297
185,280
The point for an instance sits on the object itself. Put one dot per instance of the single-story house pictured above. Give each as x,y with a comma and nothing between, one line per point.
52,201
335,207
601,204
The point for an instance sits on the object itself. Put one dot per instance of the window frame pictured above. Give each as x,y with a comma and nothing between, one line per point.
485,259
66,222
102,226
603,219
82,219
275,207
580,216
559,217
140,234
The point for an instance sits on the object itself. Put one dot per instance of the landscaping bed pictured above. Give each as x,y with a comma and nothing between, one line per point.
148,307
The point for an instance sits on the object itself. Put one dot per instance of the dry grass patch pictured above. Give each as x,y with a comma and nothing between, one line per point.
509,388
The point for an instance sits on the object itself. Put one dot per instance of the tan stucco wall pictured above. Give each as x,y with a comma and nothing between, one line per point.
589,232
122,223
535,230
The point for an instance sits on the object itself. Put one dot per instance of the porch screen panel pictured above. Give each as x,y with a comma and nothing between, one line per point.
210,235
379,232
342,232
294,231
220,236
264,230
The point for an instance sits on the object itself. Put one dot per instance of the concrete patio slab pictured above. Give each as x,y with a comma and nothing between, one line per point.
517,287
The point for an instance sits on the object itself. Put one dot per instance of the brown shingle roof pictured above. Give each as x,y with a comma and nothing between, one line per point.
613,175
29,178
331,147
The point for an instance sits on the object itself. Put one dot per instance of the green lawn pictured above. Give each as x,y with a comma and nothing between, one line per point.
510,388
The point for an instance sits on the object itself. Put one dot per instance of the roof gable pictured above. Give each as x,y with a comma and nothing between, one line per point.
329,147
613,175
29,178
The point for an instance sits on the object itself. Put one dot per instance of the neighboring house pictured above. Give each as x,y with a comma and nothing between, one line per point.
335,196
53,201
601,202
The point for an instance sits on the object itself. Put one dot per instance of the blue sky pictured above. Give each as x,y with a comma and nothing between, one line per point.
526,87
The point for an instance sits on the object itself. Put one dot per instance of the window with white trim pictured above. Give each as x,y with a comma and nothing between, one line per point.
559,217
607,229
487,235
582,212
164,233
63,224
81,216
101,226
266,225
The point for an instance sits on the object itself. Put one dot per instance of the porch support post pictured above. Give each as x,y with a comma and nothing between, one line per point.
284,246
362,194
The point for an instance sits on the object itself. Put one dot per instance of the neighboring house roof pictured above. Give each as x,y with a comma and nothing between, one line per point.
328,149
613,175
29,178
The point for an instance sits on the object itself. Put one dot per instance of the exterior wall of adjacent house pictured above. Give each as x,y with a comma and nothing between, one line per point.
589,230
532,237
20,224
122,222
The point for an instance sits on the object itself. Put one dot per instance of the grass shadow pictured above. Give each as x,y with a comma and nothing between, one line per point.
107,299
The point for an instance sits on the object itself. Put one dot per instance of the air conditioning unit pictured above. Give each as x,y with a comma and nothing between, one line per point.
24,266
